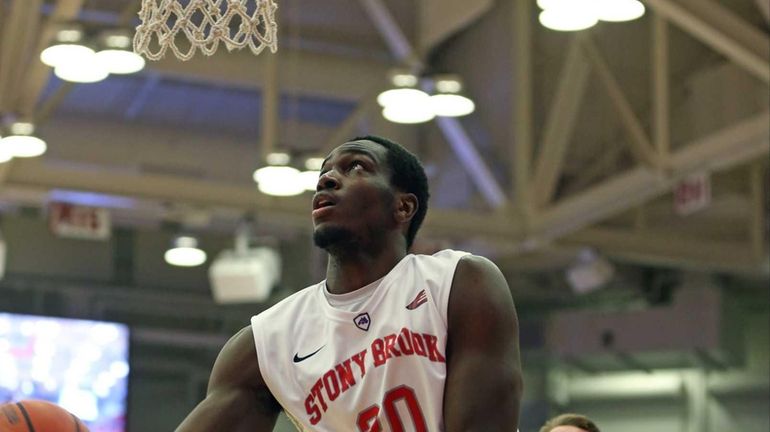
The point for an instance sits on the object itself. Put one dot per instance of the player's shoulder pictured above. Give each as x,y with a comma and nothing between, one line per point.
480,276
298,299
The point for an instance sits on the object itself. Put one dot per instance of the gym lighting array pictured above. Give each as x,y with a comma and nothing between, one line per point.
574,15
19,141
280,179
74,58
408,104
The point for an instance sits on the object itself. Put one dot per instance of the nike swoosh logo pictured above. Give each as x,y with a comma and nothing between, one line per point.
298,359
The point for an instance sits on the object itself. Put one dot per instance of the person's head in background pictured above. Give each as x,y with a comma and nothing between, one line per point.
570,423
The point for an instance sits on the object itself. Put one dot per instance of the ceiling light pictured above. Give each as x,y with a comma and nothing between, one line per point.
5,155
59,54
572,17
448,85
87,69
184,252
21,143
404,79
122,62
451,105
618,10
279,181
419,113
310,179
402,97
118,57
67,47
278,158
314,163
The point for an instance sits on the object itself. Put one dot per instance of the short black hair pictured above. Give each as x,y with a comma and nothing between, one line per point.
408,175
570,419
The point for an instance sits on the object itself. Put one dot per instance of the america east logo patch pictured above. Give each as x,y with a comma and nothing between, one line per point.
362,321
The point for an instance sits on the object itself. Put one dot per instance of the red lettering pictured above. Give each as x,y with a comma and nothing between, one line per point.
345,375
312,410
419,347
378,352
405,342
331,385
316,391
390,347
359,360
433,352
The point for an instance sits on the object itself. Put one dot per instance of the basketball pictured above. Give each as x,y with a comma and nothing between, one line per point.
38,416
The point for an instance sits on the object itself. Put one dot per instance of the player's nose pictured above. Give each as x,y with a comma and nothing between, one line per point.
327,181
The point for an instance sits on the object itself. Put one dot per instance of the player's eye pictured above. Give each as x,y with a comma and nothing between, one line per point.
355,164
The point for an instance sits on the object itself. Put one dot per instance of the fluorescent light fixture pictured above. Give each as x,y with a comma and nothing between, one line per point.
568,18
61,54
451,105
310,179
448,85
117,55
122,62
314,163
22,146
618,10
86,70
185,253
278,158
409,114
402,97
279,181
404,79
5,155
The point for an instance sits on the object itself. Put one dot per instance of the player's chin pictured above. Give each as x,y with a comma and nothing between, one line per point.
326,234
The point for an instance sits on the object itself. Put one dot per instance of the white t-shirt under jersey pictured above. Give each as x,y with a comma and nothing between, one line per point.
378,359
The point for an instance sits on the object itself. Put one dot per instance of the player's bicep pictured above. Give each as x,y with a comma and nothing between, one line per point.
483,385
237,398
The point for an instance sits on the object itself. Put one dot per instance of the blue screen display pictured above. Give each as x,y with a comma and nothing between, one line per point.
80,365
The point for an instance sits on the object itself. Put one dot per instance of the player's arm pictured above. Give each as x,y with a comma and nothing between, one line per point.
484,383
237,399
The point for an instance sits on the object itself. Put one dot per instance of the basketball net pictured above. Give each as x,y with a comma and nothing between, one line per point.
205,23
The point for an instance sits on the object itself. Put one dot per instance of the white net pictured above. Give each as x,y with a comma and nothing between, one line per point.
205,23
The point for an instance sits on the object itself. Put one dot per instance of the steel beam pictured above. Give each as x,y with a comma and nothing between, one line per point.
722,30
652,248
521,80
660,88
560,125
20,32
271,94
640,142
739,143
37,74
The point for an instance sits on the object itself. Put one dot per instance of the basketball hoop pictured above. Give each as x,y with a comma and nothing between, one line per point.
205,23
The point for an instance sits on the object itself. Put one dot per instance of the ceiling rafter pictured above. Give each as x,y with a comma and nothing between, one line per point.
560,124
720,29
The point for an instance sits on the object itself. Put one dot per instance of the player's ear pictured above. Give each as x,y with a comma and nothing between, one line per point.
407,207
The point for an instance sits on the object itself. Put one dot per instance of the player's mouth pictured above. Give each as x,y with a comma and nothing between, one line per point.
323,204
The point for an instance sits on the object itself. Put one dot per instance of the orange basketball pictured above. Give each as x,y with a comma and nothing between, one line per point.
38,416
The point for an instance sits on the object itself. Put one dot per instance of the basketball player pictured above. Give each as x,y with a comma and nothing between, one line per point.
389,341
569,423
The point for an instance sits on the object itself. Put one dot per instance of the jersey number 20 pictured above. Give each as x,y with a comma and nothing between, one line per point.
369,419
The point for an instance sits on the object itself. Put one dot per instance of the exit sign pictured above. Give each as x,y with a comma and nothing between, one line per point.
693,193
79,222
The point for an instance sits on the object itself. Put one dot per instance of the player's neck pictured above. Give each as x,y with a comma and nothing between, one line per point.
349,272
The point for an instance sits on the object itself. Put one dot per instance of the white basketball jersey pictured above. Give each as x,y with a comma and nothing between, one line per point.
379,368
